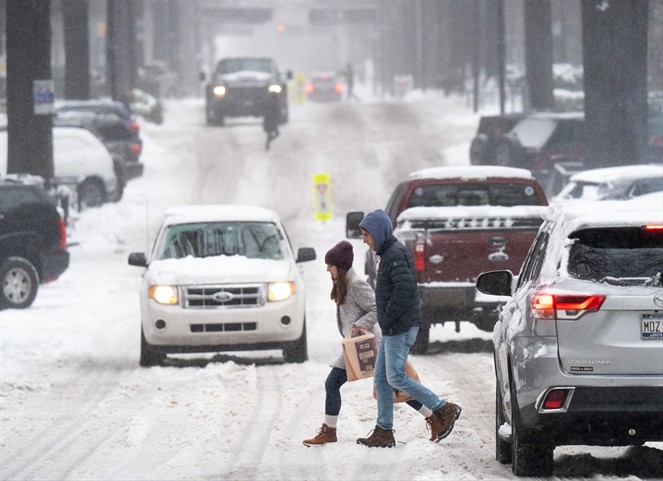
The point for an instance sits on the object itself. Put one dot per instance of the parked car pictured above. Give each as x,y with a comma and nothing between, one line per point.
579,344
540,140
33,240
124,146
241,87
101,106
324,87
489,133
222,278
81,161
613,183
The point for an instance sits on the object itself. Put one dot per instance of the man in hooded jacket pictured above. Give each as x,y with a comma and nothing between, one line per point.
399,316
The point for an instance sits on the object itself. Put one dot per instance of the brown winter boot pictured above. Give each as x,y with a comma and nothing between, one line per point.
446,418
325,435
434,424
379,438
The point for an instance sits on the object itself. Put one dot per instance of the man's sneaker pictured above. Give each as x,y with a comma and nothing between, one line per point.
379,438
325,435
446,418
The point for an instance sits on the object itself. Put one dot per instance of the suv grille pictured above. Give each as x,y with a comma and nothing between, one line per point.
246,93
214,296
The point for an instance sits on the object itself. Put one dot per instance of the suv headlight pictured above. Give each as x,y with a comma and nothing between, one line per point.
219,90
280,291
274,88
164,294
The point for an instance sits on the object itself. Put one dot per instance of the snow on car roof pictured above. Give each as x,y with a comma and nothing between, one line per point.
470,172
581,215
606,174
463,211
218,213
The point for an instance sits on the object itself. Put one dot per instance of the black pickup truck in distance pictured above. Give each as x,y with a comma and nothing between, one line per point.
459,222
32,240
241,87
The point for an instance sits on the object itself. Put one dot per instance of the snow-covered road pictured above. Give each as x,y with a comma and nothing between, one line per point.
75,405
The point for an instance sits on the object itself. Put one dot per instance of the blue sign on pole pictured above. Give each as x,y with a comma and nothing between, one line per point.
44,97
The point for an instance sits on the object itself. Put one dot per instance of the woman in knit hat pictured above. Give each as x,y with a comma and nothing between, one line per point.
355,307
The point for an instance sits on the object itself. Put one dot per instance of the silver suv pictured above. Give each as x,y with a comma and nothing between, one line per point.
579,345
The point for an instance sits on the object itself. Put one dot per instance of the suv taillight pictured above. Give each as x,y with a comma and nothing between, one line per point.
136,148
419,255
63,234
564,306
135,128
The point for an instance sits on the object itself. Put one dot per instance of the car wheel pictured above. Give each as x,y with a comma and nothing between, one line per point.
299,351
148,357
528,459
19,283
502,447
91,193
422,341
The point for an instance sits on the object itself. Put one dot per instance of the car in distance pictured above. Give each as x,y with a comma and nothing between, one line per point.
324,87
241,87
578,347
489,133
612,183
33,240
222,278
540,140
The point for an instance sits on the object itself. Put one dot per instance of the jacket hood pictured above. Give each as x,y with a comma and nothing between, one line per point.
378,224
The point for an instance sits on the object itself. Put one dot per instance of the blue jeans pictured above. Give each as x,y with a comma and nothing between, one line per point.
336,378
390,374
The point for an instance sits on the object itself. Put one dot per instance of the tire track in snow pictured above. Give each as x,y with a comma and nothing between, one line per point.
43,456
251,446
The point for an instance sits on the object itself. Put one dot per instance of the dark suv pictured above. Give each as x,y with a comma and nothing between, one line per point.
492,129
241,87
32,240
540,141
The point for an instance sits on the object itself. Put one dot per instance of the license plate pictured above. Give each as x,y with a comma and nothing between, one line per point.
652,327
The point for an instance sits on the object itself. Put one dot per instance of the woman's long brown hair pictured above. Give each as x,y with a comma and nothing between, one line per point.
340,289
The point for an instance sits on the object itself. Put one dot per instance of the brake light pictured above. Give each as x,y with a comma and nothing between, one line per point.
309,89
338,88
62,241
136,148
135,128
419,256
556,399
653,227
564,306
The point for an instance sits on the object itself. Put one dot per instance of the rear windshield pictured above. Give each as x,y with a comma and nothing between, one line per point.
450,195
257,240
622,256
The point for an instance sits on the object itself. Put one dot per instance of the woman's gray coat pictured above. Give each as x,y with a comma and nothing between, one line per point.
359,310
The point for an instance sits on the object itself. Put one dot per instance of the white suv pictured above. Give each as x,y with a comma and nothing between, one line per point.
79,159
222,278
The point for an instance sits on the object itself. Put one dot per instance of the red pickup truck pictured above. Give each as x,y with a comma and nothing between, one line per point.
460,222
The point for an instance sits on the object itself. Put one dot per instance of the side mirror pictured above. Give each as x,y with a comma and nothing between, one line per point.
495,283
202,76
352,220
305,254
137,259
